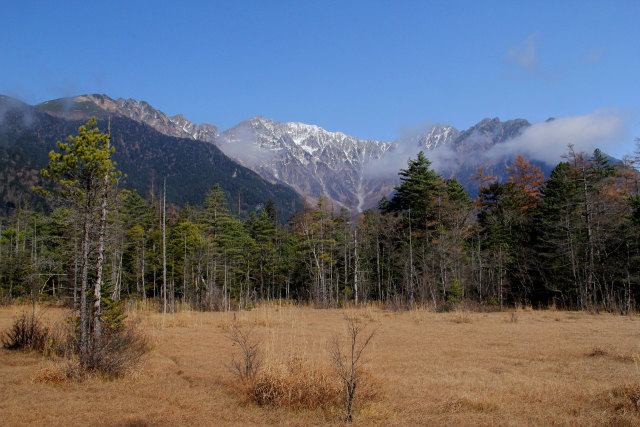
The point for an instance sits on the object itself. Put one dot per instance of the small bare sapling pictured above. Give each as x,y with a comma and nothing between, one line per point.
247,363
348,362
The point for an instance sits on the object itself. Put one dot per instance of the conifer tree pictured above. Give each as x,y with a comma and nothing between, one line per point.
85,175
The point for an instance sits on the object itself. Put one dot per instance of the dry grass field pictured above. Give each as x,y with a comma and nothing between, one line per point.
422,368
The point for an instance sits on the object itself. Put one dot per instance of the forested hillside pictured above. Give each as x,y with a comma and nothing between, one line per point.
144,155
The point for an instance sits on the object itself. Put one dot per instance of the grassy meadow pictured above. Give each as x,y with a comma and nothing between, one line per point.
523,367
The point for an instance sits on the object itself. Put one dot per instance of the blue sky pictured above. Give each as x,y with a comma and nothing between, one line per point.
371,69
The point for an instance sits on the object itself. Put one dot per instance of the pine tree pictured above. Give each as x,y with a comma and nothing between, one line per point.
85,173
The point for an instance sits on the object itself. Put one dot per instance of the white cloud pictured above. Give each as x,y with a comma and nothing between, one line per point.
547,141
525,54
541,142
243,145
392,160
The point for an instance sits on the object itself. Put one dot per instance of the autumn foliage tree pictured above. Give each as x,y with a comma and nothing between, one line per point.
528,179
505,221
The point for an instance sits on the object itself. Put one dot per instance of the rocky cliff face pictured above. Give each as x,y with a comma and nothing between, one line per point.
437,136
481,136
487,133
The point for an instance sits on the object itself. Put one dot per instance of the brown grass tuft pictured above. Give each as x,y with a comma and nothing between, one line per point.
597,352
58,372
625,398
300,384
462,316
468,405
611,354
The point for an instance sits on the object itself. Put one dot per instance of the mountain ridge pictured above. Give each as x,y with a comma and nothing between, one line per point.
79,107
342,170
191,167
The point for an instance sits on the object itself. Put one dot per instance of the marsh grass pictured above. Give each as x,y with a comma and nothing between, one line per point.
424,368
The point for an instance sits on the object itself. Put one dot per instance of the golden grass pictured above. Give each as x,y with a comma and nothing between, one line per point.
298,385
424,368
57,372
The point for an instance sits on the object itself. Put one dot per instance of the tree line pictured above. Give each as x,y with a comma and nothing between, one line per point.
571,240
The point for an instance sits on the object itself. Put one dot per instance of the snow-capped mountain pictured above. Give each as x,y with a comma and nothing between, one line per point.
437,136
310,159
480,136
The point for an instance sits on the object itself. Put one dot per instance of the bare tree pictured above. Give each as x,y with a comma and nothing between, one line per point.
348,363
164,245
250,361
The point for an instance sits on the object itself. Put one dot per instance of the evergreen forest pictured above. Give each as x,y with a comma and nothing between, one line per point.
570,240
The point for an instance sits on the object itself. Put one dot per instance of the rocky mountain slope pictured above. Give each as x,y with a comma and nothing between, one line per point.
310,159
433,138
81,107
458,154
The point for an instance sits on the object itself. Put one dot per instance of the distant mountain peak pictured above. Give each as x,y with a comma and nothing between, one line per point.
437,136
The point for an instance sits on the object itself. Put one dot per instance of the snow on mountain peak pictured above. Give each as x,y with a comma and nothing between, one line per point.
311,159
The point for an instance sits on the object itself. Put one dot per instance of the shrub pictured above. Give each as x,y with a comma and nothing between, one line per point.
27,333
4,299
454,294
112,315
121,347
119,352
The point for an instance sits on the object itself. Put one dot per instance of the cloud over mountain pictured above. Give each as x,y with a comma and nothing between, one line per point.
547,141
